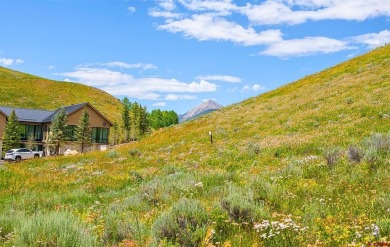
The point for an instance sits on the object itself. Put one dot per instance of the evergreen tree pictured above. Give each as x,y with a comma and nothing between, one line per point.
144,122
115,135
57,135
126,121
135,121
11,138
83,131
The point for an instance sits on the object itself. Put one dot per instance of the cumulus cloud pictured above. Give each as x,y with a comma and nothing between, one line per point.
10,61
211,20
305,46
225,78
122,84
293,12
209,27
373,40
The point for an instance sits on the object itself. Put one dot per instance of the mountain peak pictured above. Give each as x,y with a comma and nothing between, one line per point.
205,107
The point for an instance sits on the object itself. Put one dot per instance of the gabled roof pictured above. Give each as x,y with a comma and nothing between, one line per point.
27,115
44,116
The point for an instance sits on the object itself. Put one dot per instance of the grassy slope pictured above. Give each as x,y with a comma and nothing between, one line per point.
266,161
28,91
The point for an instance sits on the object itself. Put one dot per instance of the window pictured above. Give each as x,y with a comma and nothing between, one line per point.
26,130
100,135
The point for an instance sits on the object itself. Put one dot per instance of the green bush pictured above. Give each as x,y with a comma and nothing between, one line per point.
332,156
354,154
240,205
135,152
112,154
185,224
52,229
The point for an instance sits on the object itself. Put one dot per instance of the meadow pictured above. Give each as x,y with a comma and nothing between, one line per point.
307,164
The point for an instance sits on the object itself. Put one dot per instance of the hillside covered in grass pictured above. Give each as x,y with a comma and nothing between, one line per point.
28,91
307,164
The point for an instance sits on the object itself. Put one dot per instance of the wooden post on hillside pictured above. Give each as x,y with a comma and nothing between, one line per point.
211,137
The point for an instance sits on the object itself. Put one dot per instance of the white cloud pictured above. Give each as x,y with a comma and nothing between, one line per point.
225,78
246,88
122,84
254,87
292,12
306,46
130,66
211,20
174,97
209,27
131,9
51,67
373,40
257,87
219,6
164,14
10,61
168,5
160,104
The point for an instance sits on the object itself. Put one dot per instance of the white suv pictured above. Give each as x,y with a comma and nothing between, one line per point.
22,153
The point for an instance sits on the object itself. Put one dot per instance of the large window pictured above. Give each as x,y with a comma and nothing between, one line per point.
26,130
100,135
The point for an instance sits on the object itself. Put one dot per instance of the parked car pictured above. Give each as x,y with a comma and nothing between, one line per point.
19,154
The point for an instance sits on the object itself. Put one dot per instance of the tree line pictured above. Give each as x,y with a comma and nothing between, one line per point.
136,121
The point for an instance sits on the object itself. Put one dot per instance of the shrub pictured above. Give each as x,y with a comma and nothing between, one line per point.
332,156
354,154
241,206
112,154
52,229
135,152
254,148
371,157
378,142
184,224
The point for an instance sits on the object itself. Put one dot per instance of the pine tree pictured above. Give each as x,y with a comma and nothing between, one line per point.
115,133
83,131
57,135
11,138
126,121
144,121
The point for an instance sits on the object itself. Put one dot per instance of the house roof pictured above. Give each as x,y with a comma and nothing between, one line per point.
27,115
45,116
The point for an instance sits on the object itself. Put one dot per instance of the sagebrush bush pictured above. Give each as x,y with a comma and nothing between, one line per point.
378,142
112,154
332,156
135,152
240,205
354,154
185,224
52,229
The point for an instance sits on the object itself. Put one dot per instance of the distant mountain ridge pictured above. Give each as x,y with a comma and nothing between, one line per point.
204,108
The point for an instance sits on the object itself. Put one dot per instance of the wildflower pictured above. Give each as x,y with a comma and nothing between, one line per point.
375,230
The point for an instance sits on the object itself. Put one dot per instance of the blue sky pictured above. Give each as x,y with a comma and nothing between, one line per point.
175,54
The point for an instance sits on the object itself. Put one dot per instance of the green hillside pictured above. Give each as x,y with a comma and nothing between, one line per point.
307,164
28,91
